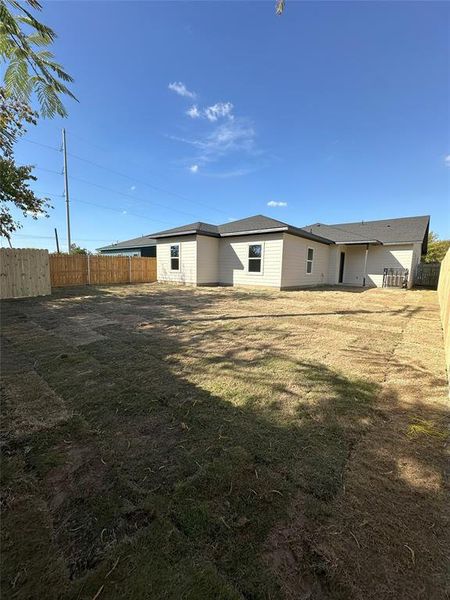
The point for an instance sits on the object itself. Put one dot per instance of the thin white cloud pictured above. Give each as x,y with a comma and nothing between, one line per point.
132,188
232,136
218,110
179,88
213,113
193,112
275,203
218,136
124,212
229,174
447,160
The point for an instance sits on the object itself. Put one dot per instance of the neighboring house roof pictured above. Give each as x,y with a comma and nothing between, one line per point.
250,225
140,242
387,231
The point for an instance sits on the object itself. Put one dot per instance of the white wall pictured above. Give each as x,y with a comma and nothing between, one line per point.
233,260
400,256
354,264
334,254
188,260
294,262
207,260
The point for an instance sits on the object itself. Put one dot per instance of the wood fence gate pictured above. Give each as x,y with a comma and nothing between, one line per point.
427,275
84,269
24,273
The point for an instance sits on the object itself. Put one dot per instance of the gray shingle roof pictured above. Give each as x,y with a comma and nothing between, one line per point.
404,230
198,227
251,224
140,242
257,223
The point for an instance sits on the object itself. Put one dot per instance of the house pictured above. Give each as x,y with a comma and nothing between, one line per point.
260,251
141,246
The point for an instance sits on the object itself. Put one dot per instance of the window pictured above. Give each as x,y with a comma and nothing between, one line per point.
254,258
175,257
309,260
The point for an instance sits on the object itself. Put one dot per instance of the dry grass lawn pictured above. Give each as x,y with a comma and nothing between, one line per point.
166,442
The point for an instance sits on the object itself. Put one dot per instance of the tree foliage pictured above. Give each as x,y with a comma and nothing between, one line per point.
279,7
75,249
437,249
24,43
15,180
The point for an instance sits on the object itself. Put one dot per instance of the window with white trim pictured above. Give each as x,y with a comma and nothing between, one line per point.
309,261
175,257
255,258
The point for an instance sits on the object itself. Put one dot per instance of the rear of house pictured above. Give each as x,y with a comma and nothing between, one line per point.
260,251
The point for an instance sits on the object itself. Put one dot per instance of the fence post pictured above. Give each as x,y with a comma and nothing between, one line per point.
129,262
89,269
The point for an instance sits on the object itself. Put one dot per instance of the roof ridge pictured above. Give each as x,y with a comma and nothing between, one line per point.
379,220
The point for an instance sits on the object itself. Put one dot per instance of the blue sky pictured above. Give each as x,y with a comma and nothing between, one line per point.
336,111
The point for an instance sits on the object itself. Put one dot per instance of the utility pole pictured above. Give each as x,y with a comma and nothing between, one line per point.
66,189
57,241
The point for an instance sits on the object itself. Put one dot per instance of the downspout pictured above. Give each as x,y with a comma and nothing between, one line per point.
365,265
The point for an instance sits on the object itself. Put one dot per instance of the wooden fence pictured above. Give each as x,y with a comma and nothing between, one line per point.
24,272
427,275
444,302
82,269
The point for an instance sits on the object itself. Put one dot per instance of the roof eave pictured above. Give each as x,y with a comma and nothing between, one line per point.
398,243
310,236
254,232
360,242
157,236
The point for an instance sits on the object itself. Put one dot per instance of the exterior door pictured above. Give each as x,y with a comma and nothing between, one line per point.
341,267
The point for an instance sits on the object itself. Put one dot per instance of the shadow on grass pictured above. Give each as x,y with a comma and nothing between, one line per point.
166,485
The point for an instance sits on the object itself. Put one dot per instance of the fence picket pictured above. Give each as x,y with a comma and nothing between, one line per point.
79,269
24,272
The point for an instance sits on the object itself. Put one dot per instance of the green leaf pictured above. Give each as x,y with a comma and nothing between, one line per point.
17,79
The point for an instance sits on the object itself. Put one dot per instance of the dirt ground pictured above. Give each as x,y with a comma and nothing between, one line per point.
169,442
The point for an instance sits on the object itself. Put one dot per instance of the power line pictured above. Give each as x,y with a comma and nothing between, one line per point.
87,141
112,191
150,185
131,178
51,237
135,198
40,144
119,210
48,170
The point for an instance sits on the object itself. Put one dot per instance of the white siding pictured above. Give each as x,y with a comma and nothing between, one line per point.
207,260
188,260
333,264
354,264
400,256
294,262
233,260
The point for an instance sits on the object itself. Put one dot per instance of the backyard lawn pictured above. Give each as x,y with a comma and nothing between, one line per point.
216,443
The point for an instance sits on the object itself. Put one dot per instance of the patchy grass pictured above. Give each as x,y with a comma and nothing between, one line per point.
162,442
